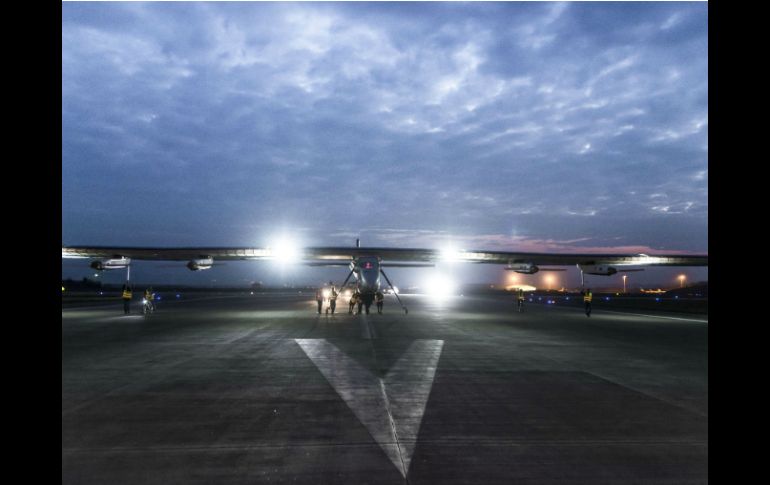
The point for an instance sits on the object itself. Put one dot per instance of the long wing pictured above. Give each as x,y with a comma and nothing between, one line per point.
320,256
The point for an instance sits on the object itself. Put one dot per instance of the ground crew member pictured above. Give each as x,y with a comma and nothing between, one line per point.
379,298
319,297
520,299
587,297
127,298
332,299
353,301
149,296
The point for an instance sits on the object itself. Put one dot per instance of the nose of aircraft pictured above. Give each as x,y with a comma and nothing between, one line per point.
369,276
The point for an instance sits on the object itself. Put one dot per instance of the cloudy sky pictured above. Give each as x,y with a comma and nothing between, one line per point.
532,126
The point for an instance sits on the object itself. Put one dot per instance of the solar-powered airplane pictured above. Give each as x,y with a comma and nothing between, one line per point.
367,264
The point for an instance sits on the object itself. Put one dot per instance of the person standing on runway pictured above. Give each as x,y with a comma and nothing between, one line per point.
587,297
332,299
127,294
319,298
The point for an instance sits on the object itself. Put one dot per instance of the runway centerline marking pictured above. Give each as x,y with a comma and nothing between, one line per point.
367,330
379,403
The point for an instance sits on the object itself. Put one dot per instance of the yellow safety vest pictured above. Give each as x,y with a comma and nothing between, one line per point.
520,296
127,294
587,297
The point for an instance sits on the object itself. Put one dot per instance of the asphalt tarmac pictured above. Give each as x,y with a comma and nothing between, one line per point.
261,389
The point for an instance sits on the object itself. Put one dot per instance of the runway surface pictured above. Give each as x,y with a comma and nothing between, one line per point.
261,389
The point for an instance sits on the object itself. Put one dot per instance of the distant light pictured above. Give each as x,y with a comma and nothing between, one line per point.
252,292
647,259
326,292
657,299
63,289
177,295
607,298
567,298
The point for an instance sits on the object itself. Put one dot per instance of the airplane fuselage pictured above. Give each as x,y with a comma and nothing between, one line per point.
366,270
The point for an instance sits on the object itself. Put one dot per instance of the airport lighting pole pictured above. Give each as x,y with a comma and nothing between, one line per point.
624,283
681,280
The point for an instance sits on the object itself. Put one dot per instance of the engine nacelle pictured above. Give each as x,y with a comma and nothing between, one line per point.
108,264
597,269
525,268
200,264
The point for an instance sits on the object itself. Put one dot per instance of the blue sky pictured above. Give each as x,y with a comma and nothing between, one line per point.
532,126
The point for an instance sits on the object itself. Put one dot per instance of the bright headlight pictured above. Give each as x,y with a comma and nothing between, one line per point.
285,254
450,254
440,285
285,250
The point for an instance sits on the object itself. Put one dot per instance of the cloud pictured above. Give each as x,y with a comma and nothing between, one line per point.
557,118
